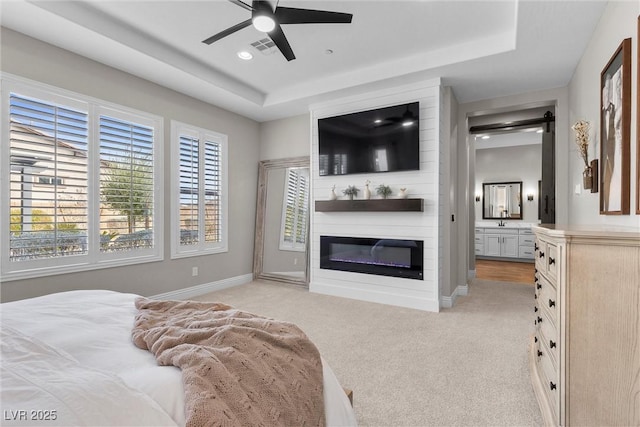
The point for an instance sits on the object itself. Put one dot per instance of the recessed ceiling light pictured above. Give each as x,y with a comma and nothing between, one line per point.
377,121
539,131
245,55
328,52
486,137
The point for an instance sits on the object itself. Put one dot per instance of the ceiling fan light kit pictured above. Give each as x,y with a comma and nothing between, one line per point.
262,17
267,20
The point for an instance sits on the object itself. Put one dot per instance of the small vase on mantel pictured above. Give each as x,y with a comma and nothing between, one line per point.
587,177
367,191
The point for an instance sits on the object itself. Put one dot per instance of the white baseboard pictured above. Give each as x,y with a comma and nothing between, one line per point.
205,288
388,298
460,290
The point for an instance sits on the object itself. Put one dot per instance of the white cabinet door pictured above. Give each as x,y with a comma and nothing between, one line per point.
509,246
492,244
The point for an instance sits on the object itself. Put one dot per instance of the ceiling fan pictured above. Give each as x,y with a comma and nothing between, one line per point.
264,18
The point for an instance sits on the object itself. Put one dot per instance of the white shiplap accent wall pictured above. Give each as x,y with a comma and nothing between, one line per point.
425,183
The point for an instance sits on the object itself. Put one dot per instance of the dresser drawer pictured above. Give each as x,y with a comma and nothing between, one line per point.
479,239
479,249
548,334
526,231
547,296
549,377
540,250
552,261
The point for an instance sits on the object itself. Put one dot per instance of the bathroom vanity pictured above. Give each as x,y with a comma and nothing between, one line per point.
504,240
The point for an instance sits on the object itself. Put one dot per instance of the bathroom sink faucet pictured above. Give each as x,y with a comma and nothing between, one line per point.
502,223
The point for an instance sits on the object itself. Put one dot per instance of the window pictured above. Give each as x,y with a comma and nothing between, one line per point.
103,215
295,210
199,191
126,185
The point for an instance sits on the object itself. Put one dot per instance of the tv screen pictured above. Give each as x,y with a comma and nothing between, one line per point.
380,140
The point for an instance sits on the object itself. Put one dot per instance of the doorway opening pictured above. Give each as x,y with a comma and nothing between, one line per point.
511,147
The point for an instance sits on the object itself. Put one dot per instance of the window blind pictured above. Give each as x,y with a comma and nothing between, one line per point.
126,184
48,143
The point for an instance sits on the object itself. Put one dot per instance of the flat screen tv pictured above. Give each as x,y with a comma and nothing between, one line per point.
381,140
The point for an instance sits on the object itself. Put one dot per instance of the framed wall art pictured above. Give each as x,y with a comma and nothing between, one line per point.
638,122
615,132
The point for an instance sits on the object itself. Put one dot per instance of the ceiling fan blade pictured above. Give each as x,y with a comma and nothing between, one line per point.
281,41
228,31
290,15
241,4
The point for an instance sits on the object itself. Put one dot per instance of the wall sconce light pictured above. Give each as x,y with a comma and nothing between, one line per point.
477,198
530,197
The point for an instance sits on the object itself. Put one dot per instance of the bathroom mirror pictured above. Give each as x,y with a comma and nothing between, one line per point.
502,200
282,221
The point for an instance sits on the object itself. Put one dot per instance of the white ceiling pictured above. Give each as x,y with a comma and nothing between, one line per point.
483,49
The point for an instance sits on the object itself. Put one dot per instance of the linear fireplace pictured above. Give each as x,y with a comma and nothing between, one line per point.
385,257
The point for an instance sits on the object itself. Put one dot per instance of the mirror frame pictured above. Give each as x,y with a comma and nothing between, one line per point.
258,249
484,200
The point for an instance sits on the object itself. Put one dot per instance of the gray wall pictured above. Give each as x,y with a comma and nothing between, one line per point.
290,137
32,59
618,22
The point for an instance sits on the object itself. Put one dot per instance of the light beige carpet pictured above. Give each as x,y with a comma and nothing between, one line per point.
463,366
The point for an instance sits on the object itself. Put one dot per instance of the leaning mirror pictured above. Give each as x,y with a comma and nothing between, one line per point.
282,220
502,200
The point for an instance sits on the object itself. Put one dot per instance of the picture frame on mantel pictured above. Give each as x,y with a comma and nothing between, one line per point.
615,132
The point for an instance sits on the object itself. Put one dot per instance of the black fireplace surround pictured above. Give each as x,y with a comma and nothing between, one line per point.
384,257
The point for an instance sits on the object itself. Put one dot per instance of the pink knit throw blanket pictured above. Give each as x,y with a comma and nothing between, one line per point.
238,369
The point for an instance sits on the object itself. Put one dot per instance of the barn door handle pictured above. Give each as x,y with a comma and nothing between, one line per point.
546,204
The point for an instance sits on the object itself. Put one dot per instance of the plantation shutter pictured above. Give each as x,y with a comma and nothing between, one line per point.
294,225
126,185
212,192
48,145
200,190
189,184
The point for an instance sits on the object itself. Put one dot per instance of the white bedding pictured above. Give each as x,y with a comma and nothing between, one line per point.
68,359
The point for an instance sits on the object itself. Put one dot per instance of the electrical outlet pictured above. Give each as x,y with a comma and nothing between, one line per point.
194,271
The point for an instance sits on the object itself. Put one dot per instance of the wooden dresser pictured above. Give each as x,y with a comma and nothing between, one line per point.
585,353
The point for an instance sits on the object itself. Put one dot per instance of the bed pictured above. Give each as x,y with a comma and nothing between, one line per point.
68,359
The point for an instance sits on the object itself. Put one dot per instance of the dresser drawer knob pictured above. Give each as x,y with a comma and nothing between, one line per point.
552,261
539,319
539,286
535,296
535,309
535,247
535,339
552,344
539,353
552,386
541,254
552,303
